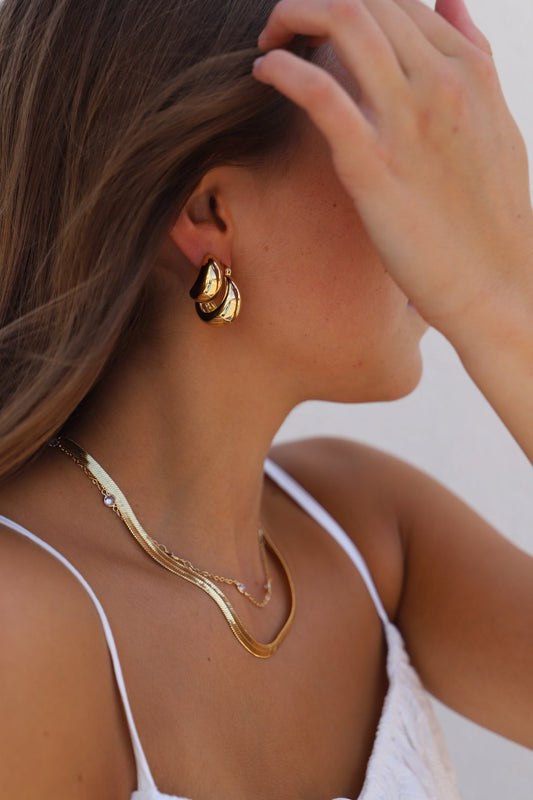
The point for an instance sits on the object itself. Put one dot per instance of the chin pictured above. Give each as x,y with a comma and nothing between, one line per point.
401,377
392,383
402,389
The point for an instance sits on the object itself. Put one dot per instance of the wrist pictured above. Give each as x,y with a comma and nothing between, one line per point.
498,322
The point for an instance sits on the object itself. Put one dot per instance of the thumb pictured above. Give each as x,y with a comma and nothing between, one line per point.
456,13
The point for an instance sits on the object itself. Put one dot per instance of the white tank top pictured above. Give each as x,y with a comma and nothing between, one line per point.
409,760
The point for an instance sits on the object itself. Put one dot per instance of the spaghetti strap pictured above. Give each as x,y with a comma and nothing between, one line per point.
145,780
308,503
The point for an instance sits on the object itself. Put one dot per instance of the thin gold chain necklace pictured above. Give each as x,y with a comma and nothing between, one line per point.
115,500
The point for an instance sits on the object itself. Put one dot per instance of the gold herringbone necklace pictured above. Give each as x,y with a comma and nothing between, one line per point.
117,502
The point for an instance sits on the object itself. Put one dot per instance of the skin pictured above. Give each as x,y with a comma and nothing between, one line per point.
317,246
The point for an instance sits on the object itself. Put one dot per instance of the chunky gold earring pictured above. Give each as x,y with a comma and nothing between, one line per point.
217,297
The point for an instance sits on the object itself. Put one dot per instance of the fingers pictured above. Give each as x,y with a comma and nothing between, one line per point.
388,46
354,33
314,89
397,51
410,27
435,27
376,40
456,13
327,103
356,23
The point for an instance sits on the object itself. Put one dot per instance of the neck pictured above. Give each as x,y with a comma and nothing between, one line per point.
185,438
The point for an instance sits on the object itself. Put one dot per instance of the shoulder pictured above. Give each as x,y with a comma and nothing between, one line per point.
361,487
59,710
38,596
41,601
349,460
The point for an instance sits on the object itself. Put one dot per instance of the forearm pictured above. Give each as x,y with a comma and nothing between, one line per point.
495,344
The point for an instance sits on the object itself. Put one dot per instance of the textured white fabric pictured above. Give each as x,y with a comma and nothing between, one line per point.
409,759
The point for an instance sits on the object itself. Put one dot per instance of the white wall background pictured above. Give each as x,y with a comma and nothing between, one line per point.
447,428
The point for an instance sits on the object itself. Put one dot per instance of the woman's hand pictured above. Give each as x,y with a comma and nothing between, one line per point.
425,145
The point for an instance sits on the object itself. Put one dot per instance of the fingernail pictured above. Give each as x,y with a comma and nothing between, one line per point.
257,62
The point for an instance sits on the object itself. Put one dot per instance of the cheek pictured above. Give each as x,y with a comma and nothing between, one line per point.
335,266
332,296
323,304
318,262
320,294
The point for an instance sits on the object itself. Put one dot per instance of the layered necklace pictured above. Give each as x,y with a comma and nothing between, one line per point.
115,500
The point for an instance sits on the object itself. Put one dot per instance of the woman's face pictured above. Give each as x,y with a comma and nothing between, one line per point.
319,300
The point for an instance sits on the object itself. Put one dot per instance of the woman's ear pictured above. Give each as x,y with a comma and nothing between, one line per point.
204,224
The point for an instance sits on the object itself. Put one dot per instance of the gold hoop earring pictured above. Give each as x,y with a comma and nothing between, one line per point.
217,297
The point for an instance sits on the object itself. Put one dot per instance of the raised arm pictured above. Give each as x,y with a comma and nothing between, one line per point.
437,169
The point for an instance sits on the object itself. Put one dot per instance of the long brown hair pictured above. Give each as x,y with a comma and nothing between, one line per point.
111,112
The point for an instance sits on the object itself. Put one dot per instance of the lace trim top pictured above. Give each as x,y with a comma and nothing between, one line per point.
409,760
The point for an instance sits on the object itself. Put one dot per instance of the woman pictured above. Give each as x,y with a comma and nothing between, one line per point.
141,158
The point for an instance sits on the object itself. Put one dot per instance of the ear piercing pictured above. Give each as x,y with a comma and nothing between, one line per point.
217,297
